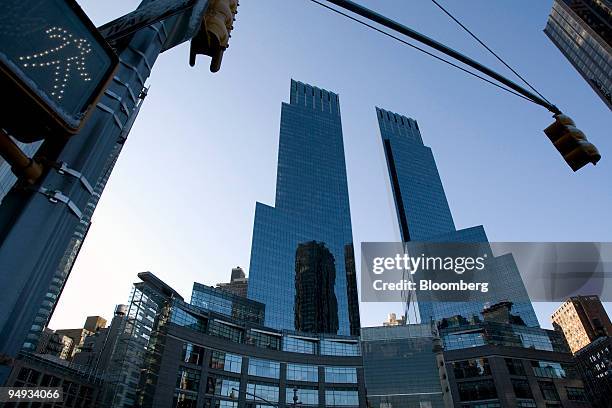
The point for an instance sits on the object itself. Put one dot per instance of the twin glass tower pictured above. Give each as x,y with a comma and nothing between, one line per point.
308,232
302,260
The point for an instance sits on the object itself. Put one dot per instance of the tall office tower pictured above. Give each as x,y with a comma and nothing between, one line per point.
582,319
238,283
316,306
582,30
312,204
424,216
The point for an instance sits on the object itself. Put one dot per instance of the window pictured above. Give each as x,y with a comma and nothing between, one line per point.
575,394
192,354
492,404
265,391
188,379
526,404
226,331
184,400
339,348
295,345
220,403
220,385
549,392
549,369
183,318
341,398
226,361
477,390
346,375
456,341
306,396
521,388
515,367
264,340
471,368
299,372
264,368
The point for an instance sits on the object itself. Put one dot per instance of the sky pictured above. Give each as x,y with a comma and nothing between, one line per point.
181,200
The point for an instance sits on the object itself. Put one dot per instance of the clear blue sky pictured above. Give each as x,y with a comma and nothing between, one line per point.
181,200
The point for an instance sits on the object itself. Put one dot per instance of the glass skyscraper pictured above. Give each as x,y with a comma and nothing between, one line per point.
424,216
312,204
582,30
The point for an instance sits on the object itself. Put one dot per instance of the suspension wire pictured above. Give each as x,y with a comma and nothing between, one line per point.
422,50
448,13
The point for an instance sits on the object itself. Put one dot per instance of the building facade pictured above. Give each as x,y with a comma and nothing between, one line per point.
79,388
312,204
499,364
238,283
586,326
582,319
316,306
424,215
97,349
594,363
582,30
55,344
227,303
176,354
92,325
401,367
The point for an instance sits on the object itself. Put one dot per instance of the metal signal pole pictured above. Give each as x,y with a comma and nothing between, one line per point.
38,220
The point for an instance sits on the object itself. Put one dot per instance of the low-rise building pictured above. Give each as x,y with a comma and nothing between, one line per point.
55,344
392,320
493,364
79,387
78,336
176,354
97,349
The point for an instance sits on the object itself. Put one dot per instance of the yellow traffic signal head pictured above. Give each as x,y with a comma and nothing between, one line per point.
214,35
571,142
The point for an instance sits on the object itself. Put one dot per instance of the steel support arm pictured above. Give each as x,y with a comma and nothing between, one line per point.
402,29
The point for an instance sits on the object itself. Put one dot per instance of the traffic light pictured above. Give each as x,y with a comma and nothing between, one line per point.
571,142
214,34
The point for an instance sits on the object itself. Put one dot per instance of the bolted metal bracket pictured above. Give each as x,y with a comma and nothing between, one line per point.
62,168
55,196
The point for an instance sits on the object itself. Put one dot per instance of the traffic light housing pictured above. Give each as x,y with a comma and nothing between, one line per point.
213,37
54,66
571,142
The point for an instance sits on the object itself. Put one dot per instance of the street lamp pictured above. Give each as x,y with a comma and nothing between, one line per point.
234,395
